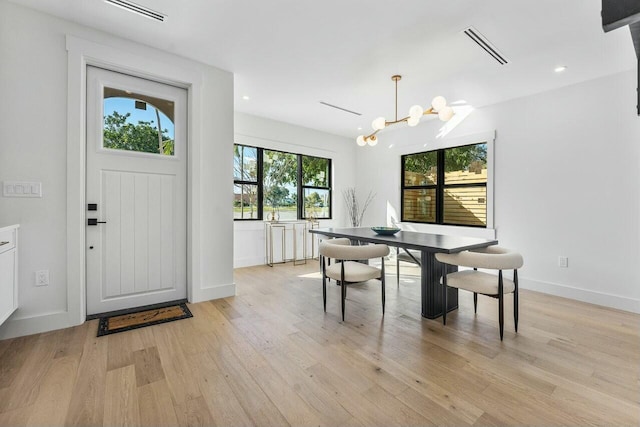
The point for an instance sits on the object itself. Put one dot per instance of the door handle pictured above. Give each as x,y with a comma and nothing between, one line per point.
94,221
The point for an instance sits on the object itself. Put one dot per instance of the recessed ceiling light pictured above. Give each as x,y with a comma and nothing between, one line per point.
359,128
560,69
246,98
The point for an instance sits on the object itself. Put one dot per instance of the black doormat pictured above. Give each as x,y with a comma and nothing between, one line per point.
141,317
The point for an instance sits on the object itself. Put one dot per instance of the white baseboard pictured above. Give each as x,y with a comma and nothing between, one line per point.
215,292
248,262
584,295
34,325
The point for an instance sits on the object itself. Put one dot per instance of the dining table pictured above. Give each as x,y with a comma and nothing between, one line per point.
431,270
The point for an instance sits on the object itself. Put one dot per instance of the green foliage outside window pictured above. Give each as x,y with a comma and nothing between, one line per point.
465,157
290,186
144,137
280,170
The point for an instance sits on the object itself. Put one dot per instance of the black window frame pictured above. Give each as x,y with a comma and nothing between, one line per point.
300,187
439,187
257,183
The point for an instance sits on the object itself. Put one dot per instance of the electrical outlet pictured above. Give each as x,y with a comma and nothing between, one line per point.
563,262
42,278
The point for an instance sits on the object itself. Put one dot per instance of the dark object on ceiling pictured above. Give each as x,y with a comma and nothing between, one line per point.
619,13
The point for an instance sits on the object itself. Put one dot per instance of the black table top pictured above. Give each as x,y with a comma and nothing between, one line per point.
409,239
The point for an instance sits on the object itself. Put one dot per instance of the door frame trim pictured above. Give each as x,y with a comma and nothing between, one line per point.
80,54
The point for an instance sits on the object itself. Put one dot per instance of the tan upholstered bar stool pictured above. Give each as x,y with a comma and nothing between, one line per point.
493,258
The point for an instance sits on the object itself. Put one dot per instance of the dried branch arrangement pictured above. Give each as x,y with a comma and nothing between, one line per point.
355,210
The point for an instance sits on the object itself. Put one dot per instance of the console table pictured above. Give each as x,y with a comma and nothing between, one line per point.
297,230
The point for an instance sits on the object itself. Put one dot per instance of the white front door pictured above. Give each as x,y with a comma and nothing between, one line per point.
136,192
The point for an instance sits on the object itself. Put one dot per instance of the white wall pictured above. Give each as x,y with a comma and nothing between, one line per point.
567,182
249,236
34,139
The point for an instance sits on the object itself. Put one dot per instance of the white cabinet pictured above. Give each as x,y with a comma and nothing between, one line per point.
8,271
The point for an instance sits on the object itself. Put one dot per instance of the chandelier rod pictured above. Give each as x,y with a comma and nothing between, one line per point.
395,79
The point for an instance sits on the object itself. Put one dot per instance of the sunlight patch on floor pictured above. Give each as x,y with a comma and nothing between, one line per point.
315,275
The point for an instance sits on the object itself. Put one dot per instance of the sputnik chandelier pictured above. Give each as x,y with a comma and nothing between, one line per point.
438,106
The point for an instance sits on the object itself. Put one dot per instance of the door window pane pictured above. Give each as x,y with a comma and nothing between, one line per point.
421,169
316,203
136,122
465,205
245,201
419,205
280,185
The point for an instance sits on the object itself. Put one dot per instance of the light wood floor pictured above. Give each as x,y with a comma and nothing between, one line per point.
270,356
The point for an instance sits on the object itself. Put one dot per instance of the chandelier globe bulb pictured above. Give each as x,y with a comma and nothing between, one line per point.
378,124
445,114
416,112
411,121
438,103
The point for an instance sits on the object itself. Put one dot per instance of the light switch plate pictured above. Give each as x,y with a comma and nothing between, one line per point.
21,189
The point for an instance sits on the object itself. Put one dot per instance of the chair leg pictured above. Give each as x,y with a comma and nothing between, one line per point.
515,298
475,302
444,294
398,267
382,274
475,297
501,304
343,289
324,286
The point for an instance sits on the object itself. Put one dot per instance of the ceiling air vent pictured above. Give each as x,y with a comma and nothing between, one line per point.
485,44
140,10
340,108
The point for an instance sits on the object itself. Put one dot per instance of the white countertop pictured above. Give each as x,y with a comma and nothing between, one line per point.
9,227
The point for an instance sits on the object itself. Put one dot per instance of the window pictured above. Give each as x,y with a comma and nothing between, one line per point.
276,185
316,187
246,179
446,186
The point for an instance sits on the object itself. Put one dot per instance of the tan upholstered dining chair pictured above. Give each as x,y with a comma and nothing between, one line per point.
348,270
493,258
336,241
